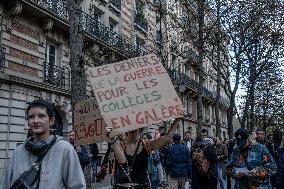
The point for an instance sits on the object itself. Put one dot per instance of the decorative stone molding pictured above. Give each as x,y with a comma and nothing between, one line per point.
42,41
14,8
26,91
66,53
47,24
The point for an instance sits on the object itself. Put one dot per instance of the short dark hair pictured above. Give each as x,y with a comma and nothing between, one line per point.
204,131
187,132
42,104
260,129
148,135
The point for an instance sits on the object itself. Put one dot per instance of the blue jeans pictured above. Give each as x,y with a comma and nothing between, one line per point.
222,176
94,170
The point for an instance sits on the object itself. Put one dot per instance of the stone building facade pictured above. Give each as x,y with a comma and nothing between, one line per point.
34,58
177,27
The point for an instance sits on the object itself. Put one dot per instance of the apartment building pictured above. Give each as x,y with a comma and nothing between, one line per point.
35,55
176,31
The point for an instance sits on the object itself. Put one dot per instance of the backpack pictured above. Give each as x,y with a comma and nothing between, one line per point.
200,160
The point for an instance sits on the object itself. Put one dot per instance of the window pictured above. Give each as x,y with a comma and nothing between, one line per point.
189,106
184,101
140,18
53,72
140,7
98,16
187,70
51,54
113,25
224,135
140,43
174,61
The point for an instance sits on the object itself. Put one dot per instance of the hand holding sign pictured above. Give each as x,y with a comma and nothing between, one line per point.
89,124
134,93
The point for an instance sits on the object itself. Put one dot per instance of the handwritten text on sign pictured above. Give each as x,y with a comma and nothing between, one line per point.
134,93
89,124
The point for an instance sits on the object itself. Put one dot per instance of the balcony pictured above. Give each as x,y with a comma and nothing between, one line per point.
141,22
159,36
111,38
116,4
2,58
182,78
56,7
93,28
208,94
191,55
224,101
162,4
57,76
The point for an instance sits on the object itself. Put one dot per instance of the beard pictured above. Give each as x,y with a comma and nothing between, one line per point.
71,140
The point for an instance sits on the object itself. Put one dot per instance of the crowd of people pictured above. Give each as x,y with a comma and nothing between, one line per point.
138,160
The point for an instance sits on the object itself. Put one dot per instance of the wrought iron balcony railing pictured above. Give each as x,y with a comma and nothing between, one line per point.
183,78
57,7
162,4
191,54
224,101
116,3
2,58
111,38
208,93
57,76
93,27
141,21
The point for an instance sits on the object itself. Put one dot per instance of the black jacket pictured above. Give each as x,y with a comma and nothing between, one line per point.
94,151
278,179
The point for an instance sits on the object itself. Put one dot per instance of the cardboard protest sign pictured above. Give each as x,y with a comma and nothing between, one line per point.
89,124
134,93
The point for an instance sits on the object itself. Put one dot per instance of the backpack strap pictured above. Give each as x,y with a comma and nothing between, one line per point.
145,145
113,170
32,175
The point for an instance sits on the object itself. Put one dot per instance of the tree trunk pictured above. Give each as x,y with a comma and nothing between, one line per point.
78,77
230,117
252,100
217,105
200,72
249,104
231,112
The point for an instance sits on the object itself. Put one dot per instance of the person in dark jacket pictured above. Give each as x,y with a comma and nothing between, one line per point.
82,152
260,136
94,158
206,180
177,163
222,155
277,152
153,161
251,164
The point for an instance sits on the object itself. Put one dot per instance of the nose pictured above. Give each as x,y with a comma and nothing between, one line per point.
36,119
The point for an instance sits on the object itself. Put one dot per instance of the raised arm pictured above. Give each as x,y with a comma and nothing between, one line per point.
160,142
119,152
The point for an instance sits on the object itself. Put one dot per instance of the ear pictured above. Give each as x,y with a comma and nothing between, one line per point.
52,119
